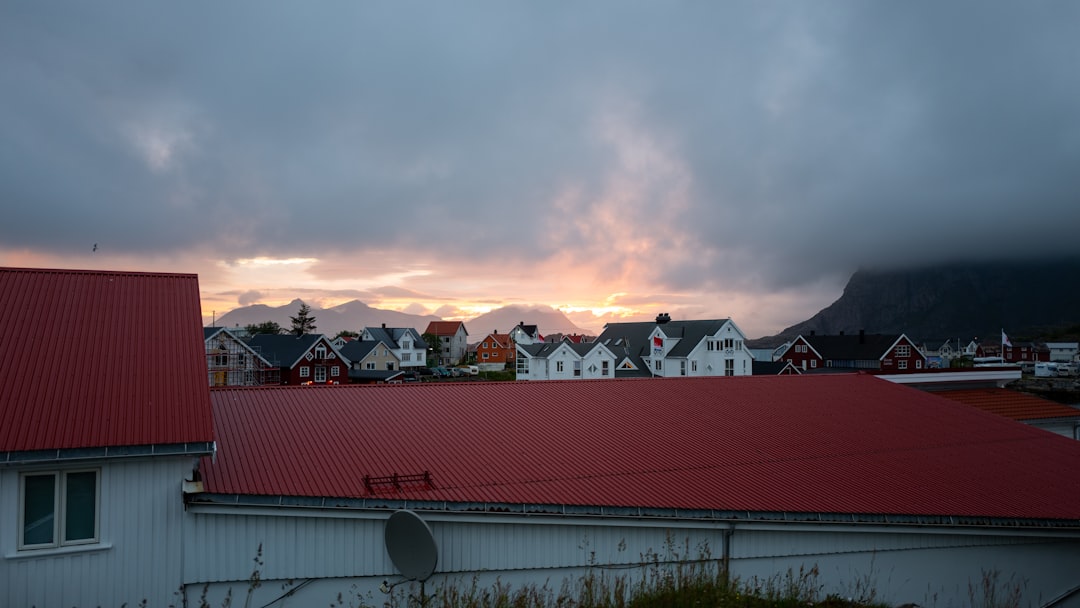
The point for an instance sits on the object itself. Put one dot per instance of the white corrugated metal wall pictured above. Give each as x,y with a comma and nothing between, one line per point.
928,566
141,552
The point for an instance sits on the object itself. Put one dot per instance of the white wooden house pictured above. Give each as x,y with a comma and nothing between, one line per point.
94,454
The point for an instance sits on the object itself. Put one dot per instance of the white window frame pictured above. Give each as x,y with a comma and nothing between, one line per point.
335,371
903,350
59,512
320,373
305,371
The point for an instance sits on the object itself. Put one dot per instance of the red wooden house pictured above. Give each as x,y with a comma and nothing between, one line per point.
879,352
496,348
307,359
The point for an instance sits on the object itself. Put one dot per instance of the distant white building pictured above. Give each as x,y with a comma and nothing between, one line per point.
564,361
406,343
666,348
1063,352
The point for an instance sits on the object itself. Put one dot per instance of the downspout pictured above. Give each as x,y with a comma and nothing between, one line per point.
726,558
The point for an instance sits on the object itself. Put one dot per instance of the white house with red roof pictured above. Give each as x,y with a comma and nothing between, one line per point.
98,438
539,483
453,341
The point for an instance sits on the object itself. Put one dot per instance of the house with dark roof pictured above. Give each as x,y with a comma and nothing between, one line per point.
543,482
774,368
409,347
667,348
306,359
525,334
231,361
893,353
453,341
93,460
371,361
564,361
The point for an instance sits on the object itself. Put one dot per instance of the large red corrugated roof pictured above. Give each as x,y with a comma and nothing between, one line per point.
1012,404
94,359
817,444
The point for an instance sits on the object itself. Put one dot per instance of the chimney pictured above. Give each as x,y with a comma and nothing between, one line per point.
812,332
662,318
862,336
841,332
384,325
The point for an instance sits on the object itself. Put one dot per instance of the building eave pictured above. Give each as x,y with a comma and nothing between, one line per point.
313,505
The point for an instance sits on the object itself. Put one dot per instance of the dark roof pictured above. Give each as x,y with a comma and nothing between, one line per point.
761,368
356,350
830,444
378,375
854,347
391,336
631,340
98,358
283,350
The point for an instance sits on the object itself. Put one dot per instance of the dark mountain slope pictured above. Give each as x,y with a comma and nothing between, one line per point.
1027,299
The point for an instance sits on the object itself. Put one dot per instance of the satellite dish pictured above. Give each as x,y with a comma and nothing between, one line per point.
411,546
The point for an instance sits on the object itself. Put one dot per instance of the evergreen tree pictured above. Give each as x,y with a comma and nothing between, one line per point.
303,322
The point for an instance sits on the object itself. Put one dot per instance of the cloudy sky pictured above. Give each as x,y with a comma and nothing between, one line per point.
610,159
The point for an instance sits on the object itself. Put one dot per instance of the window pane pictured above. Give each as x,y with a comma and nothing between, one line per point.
39,505
80,510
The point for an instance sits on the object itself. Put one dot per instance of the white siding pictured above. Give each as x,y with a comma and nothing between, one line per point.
922,565
140,553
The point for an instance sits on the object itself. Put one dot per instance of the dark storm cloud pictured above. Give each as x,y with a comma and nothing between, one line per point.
752,145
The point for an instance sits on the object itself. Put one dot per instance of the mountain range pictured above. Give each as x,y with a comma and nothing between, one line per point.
355,315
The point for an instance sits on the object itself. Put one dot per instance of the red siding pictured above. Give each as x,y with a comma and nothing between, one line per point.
96,358
803,360
818,443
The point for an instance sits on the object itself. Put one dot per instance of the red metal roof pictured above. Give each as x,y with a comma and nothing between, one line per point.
443,328
817,444
1011,404
94,359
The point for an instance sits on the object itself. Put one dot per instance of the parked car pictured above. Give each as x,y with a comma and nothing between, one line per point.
441,371
425,371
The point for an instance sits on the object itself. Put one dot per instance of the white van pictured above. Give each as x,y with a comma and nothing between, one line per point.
1045,370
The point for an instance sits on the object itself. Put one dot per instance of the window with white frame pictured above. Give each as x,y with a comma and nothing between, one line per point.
485,355
406,356
901,364
320,351
558,366
604,367
305,371
729,367
682,367
58,508
577,369
335,371
903,350
658,364
320,373
693,365
369,365
523,365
